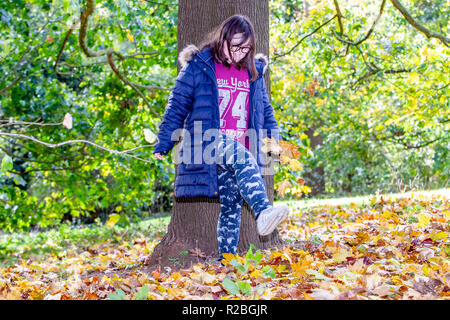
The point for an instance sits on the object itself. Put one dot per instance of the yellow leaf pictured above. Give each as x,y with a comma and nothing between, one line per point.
415,233
130,36
177,293
305,189
426,270
284,159
423,220
286,255
295,165
275,254
341,255
112,220
379,127
320,102
104,258
283,186
357,267
299,268
447,213
289,150
281,268
396,280
208,278
256,273
307,297
176,276
372,281
438,236
227,258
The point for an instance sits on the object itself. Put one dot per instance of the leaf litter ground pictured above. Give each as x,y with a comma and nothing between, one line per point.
391,248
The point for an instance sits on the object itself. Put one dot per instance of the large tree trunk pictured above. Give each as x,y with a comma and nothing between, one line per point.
194,221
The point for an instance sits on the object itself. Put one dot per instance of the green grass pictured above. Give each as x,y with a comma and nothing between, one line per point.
360,200
14,246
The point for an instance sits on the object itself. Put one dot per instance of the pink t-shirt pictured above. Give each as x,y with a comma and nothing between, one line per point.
234,106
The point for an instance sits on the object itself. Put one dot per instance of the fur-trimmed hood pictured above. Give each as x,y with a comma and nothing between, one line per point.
188,53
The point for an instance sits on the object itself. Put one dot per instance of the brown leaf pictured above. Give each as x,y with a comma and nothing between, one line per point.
427,286
197,253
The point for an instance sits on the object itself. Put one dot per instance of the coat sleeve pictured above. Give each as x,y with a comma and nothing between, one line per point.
179,105
270,123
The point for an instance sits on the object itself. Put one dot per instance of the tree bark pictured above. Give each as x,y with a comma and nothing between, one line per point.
193,223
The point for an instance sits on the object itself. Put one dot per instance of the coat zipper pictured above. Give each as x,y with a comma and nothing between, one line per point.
253,109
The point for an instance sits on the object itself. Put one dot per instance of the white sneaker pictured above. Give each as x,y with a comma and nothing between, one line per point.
269,218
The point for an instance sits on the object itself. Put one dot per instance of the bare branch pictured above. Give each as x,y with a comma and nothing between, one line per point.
339,16
350,42
152,53
418,26
304,37
124,79
396,71
84,18
401,141
167,5
150,87
7,123
66,38
374,23
56,145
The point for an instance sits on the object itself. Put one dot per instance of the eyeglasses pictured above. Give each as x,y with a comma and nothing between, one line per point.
242,49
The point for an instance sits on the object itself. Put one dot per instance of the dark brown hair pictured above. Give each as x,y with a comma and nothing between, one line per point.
224,33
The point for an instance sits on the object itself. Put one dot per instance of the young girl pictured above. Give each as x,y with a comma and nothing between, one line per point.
220,93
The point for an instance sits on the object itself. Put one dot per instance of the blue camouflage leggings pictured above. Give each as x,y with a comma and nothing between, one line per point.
239,178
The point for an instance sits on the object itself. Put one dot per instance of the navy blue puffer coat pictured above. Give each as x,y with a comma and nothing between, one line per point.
194,104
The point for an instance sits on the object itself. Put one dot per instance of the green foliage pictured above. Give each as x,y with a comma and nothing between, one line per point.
383,130
252,261
80,182
140,294
118,295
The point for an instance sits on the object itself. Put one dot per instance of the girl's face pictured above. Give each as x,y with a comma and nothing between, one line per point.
238,52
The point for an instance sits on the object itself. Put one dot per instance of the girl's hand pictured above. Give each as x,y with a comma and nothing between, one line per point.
158,156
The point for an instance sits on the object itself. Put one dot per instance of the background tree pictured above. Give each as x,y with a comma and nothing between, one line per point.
80,57
371,78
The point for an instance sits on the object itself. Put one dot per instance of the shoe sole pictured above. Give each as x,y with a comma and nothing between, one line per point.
283,214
